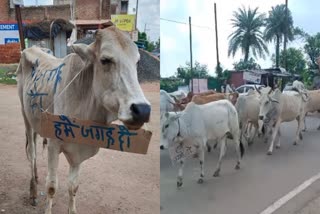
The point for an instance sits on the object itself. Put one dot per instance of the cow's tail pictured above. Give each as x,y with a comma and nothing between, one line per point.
241,148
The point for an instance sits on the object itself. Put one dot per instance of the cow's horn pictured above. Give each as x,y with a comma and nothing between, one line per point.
270,91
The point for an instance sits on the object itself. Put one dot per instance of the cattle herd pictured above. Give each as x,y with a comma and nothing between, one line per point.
211,118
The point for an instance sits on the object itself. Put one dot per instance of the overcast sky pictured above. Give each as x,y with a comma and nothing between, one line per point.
175,37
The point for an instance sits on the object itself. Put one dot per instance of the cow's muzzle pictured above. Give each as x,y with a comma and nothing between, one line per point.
261,117
140,114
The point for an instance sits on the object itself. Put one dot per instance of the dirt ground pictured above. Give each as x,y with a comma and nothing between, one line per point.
110,182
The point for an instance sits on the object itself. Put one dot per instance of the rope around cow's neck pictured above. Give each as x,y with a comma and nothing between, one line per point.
63,90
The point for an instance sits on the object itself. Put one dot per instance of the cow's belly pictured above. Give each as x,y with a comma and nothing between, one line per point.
289,114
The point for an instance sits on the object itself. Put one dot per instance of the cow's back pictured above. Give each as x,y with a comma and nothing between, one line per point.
291,105
313,103
213,119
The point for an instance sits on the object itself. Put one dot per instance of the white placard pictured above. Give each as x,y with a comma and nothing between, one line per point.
252,77
17,2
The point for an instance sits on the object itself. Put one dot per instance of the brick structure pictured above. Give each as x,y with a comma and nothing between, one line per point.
10,53
90,15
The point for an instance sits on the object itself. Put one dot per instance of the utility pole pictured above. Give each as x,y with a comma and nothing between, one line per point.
285,37
136,20
190,38
217,43
19,20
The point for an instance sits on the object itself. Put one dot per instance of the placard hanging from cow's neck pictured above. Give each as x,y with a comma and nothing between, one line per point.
115,137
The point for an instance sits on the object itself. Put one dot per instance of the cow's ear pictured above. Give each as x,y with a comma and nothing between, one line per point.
85,52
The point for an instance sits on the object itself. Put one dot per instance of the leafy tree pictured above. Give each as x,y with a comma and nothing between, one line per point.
247,35
199,71
296,63
150,46
312,49
249,65
170,84
276,26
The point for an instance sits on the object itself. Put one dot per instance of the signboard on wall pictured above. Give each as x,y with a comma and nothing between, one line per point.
252,77
124,22
9,33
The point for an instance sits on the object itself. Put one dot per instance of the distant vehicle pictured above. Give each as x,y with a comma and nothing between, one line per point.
141,44
243,90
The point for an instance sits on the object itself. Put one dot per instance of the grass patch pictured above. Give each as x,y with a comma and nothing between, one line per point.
7,76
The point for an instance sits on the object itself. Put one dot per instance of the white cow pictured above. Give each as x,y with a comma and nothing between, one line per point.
199,123
167,103
248,107
105,90
277,107
178,94
313,103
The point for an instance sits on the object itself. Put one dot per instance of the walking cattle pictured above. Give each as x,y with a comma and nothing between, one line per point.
313,103
248,107
100,83
277,107
200,123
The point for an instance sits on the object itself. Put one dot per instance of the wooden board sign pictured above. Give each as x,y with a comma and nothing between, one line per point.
115,137
180,151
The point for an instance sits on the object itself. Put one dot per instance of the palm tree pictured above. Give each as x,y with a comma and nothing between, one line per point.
276,27
247,35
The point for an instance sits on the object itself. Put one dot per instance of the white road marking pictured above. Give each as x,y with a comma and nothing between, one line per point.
279,203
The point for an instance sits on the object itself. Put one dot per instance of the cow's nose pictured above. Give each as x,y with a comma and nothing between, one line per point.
261,117
140,112
162,147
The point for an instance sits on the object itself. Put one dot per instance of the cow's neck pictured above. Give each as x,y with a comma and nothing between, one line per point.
80,97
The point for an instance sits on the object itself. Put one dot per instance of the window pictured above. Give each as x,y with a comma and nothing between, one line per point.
124,6
240,90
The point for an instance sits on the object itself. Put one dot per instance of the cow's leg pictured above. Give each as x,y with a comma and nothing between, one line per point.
201,159
52,180
222,152
239,150
298,133
31,152
304,124
73,187
278,142
180,173
31,156
274,135
256,129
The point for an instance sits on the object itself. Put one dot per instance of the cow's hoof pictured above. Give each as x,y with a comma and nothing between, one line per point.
295,143
237,167
216,173
250,143
318,128
34,202
200,181
179,184
300,136
269,153
277,146
162,147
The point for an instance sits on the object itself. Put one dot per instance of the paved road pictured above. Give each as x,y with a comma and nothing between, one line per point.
261,181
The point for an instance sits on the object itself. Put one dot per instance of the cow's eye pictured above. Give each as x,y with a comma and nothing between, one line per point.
166,126
106,61
267,102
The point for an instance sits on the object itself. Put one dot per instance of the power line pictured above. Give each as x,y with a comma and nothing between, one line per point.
184,23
